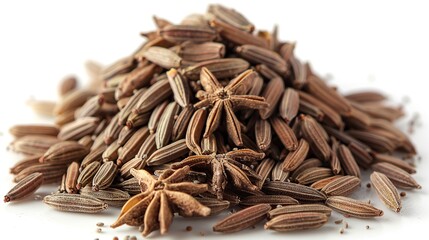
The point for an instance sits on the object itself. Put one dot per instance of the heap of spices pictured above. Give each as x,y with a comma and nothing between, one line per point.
205,115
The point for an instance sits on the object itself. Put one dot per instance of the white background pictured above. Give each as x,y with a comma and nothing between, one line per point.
359,45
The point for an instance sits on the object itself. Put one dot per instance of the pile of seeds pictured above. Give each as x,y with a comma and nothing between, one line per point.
207,115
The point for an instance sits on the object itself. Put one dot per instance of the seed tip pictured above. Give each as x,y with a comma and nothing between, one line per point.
6,199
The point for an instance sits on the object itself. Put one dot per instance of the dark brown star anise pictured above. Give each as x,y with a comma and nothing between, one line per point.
155,206
227,99
227,168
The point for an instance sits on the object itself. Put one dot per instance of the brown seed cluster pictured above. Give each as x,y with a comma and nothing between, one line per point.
205,115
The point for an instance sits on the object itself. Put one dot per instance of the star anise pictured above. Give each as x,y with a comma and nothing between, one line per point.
155,206
227,99
227,168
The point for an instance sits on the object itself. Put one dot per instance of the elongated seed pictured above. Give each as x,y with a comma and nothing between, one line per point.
294,190
25,187
23,130
352,207
399,177
268,199
87,174
297,221
341,186
104,176
71,177
74,203
300,208
386,191
294,159
242,219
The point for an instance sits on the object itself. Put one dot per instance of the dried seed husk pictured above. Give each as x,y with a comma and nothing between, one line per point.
313,174
264,169
263,134
154,95
72,101
132,146
230,16
277,173
71,177
308,163
362,155
285,133
348,162
352,207
155,117
131,186
33,144
64,153
165,126
386,191
111,152
168,153
25,187
147,148
377,142
74,203
235,35
24,163
294,190
268,199
95,155
323,182
365,96
195,130
395,161
163,57
314,134
51,173
104,176
123,65
23,130
289,105
208,144
182,33
78,128
297,221
272,93
399,177
111,196
341,186
122,116
125,134
136,120
242,219
299,208
260,55
220,68
201,52
91,108
87,174
331,117
295,158
181,123
216,206
180,87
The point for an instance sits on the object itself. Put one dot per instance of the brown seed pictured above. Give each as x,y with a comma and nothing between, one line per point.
42,108
272,93
242,219
386,191
294,190
33,144
268,199
64,153
154,95
264,56
25,163
182,33
195,129
111,196
300,208
403,194
180,87
263,134
72,101
352,207
395,161
285,133
74,203
78,128
201,52
312,175
132,146
399,177
341,186
294,159
25,187
221,68
348,162
216,206
104,176
235,35
163,57
231,17
71,177
315,136
23,130
289,105
297,221
168,153
165,126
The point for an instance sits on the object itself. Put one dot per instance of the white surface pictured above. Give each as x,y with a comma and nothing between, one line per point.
365,44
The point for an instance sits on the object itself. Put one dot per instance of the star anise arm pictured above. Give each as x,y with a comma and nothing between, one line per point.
133,214
204,103
151,216
233,125
245,155
209,81
213,120
246,169
188,187
192,161
143,177
238,178
165,216
178,175
241,83
188,205
248,101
